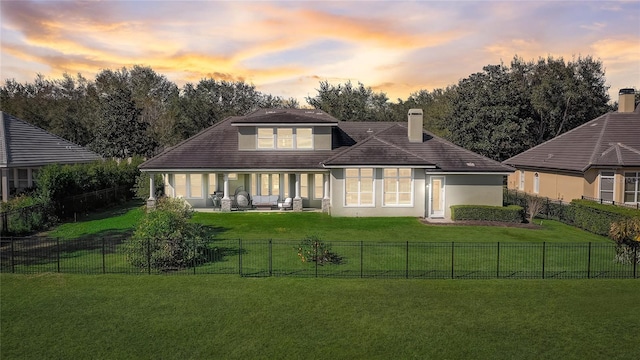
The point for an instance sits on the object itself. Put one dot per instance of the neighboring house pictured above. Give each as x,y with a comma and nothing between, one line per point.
345,168
25,148
599,159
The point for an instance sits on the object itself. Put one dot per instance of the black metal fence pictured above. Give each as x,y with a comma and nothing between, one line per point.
358,259
611,202
36,217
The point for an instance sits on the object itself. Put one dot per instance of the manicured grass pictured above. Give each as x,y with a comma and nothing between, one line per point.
117,220
292,226
206,317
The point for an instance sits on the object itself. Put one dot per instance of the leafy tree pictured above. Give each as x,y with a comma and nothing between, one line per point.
121,133
437,107
165,239
350,103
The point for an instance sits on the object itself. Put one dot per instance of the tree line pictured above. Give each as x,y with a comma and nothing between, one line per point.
497,112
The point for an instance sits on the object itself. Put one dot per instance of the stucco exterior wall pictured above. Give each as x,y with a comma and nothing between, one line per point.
472,189
338,208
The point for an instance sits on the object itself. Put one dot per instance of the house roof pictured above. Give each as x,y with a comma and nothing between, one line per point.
354,144
609,141
286,116
25,145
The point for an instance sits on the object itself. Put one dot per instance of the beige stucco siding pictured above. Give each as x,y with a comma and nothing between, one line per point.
472,190
567,187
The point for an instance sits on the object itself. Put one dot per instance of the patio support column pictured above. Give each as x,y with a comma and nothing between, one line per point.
226,200
151,201
297,200
326,200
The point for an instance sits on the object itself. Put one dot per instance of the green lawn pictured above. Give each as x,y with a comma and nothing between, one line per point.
52,316
378,247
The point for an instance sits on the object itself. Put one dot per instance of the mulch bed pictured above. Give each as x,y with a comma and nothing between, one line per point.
484,223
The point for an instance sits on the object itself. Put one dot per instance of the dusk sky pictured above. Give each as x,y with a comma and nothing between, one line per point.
286,48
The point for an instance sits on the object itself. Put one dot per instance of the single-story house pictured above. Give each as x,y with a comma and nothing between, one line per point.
344,168
599,160
24,148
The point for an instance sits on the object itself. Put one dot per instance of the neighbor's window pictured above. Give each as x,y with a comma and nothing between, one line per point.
358,187
536,183
195,185
180,184
521,180
304,138
397,186
265,138
606,185
318,186
632,187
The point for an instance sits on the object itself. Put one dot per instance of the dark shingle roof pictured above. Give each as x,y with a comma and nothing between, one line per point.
286,116
354,143
25,145
611,140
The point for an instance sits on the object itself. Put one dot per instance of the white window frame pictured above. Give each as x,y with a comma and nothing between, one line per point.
297,143
521,186
634,176
265,137
359,191
397,191
318,186
190,189
536,183
613,178
272,186
271,135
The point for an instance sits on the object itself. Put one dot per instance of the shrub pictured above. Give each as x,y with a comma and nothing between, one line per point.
312,249
24,214
597,218
141,187
511,213
165,239
626,234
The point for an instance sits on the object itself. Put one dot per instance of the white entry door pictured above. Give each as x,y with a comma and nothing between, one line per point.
437,197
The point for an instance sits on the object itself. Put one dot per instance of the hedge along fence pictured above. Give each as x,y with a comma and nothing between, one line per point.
584,214
511,213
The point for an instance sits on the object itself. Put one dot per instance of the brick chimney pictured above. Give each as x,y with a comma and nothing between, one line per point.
626,102
415,125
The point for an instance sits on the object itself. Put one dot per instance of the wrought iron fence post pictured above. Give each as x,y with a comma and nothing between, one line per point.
58,252
13,257
104,250
589,262
498,262
240,257
406,272
361,258
270,258
148,256
452,258
544,245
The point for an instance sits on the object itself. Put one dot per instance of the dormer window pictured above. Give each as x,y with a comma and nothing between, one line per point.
285,138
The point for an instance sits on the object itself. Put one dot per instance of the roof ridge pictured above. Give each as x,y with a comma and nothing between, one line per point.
357,145
396,146
596,148
629,148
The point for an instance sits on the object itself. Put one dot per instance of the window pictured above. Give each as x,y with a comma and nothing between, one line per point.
632,187
358,187
269,184
397,186
180,184
285,138
195,185
265,138
521,180
606,185
318,186
213,183
304,186
536,183
23,179
304,138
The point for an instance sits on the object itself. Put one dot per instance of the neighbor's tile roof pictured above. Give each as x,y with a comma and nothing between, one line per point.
25,145
611,140
286,116
354,144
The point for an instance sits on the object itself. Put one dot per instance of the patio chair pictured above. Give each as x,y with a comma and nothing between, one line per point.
286,205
